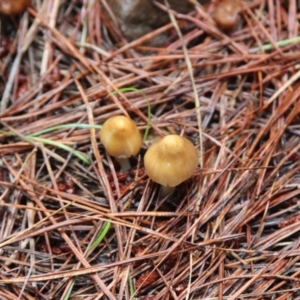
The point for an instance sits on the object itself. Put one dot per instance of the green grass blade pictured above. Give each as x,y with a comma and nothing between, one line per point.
101,235
131,288
7,133
76,153
132,89
69,291
71,125
282,43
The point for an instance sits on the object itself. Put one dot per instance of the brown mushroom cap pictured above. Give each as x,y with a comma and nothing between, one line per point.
226,14
171,160
121,137
13,7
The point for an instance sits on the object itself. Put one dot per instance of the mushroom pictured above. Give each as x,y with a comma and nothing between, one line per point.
170,161
121,139
226,14
13,7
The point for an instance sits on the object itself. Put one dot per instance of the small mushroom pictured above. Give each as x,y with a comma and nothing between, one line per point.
170,161
13,7
121,139
226,14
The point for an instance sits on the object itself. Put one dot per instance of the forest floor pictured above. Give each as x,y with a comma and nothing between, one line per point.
75,226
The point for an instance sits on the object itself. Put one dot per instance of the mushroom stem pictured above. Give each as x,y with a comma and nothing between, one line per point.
124,163
166,191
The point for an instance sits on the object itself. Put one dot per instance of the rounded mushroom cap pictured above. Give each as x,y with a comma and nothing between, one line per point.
171,160
13,7
121,137
226,14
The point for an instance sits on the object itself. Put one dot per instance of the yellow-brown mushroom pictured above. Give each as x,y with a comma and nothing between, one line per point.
121,139
170,161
